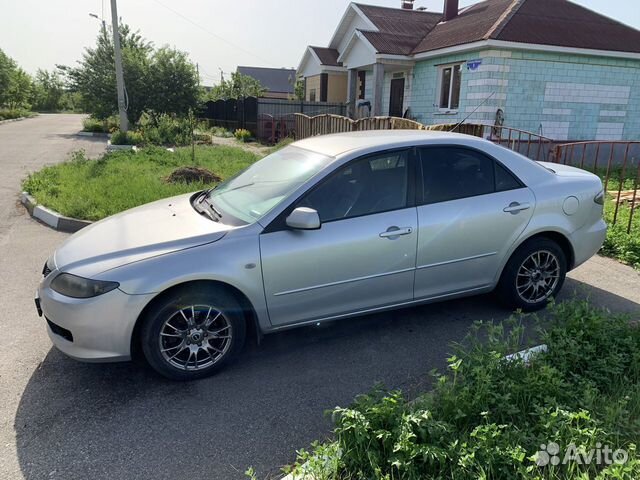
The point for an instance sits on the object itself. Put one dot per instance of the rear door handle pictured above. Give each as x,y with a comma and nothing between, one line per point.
515,208
394,232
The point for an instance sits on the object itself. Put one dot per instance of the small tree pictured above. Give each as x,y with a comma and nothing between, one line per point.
240,86
299,90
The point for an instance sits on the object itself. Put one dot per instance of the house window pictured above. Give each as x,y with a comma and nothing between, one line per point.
449,92
362,82
312,95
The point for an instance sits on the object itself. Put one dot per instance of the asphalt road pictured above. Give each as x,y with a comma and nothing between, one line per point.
60,419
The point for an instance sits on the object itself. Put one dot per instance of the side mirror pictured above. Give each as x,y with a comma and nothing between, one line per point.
303,218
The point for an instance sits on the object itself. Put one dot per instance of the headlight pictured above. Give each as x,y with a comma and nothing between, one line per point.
78,287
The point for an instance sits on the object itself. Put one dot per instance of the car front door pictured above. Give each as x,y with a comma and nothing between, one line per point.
362,257
471,210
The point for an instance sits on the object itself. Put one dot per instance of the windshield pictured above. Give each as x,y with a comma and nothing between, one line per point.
255,191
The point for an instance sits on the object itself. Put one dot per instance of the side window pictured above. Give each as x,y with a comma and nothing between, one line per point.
451,173
505,180
366,186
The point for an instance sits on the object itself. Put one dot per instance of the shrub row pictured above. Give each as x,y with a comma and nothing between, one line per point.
11,114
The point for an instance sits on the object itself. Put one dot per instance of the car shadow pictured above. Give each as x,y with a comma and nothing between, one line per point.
78,421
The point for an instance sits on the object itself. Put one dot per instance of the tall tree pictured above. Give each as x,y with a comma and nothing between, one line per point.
174,82
95,77
48,91
16,86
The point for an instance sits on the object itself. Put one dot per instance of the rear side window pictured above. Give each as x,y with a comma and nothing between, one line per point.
451,173
505,180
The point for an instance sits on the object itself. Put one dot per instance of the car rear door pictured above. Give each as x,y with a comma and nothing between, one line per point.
471,209
361,258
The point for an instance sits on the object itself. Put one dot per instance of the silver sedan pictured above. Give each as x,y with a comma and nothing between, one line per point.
328,228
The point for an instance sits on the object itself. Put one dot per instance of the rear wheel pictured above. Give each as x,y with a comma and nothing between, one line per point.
534,274
193,332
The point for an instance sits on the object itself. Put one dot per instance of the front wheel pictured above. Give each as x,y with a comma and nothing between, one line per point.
192,332
533,275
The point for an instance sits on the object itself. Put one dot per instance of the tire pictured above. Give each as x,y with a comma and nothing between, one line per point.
193,332
527,287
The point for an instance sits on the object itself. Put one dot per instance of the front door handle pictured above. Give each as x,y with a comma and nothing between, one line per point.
395,232
514,208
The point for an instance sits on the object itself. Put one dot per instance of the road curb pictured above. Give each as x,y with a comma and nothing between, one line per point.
51,218
14,120
93,134
116,148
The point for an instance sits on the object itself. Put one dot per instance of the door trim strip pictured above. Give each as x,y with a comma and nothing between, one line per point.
342,282
459,260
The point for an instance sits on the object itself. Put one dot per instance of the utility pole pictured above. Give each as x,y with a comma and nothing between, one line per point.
124,123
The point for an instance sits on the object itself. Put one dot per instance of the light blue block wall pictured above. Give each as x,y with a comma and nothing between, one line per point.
566,97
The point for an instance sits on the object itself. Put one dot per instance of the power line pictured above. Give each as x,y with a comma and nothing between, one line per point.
204,29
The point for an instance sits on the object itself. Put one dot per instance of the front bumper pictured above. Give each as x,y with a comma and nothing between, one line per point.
587,241
100,327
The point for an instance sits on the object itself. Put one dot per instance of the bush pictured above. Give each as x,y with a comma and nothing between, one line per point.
242,134
166,130
126,138
488,416
11,114
96,125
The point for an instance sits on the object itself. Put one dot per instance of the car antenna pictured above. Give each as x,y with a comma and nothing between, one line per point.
474,111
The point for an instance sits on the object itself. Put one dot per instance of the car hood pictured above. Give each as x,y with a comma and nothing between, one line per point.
150,230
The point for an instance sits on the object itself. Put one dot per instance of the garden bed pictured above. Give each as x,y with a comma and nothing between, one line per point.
572,412
94,189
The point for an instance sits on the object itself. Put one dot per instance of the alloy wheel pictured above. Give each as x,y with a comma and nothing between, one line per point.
538,276
195,337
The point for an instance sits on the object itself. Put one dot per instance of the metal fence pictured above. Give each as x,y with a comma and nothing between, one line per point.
617,163
267,119
531,145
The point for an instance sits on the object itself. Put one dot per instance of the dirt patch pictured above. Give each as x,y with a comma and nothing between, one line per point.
193,175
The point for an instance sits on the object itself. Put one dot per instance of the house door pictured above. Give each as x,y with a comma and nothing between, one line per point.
396,102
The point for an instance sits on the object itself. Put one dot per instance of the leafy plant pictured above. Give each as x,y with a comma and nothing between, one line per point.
242,135
96,125
488,415
126,138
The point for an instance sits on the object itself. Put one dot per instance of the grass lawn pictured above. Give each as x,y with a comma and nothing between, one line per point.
94,189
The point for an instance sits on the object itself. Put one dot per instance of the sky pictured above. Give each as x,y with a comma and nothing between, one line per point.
217,34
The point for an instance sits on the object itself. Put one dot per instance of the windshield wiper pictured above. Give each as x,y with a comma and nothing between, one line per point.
216,211
203,211
239,187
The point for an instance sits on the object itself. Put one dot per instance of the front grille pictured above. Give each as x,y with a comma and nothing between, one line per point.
46,270
58,330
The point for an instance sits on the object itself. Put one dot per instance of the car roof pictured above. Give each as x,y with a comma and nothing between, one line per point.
340,143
